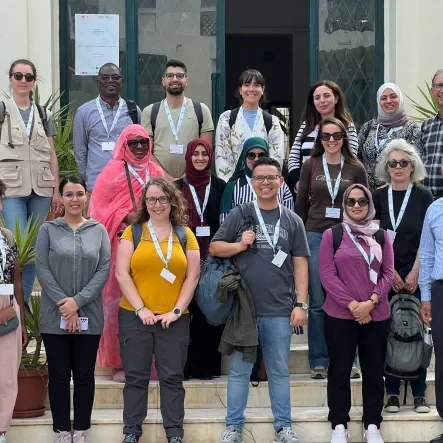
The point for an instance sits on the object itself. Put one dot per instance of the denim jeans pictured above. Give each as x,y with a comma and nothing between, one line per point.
275,339
418,385
23,208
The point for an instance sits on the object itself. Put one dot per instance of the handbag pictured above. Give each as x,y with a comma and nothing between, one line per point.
8,319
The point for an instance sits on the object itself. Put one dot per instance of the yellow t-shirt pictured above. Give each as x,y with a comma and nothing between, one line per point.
158,295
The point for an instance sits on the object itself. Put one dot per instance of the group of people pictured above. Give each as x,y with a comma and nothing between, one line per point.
119,267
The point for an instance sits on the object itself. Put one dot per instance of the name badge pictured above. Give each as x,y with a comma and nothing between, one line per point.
392,235
84,323
333,213
203,231
176,149
6,289
108,146
279,259
167,275
373,276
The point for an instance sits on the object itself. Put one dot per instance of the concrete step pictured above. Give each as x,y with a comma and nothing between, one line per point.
206,426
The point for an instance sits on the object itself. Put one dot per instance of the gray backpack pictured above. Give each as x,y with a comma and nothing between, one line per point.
406,351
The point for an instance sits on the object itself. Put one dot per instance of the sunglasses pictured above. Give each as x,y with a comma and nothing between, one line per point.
253,155
325,136
163,200
394,163
179,75
19,76
362,202
114,77
143,142
262,178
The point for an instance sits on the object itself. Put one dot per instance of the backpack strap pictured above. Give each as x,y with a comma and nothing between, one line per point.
2,115
337,236
136,234
43,117
131,191
132,111
199,114
154,114
180,230
233,117
267,118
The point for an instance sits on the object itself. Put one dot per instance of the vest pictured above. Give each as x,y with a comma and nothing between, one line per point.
25,165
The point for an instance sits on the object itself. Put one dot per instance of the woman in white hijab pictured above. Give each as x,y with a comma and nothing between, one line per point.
391,123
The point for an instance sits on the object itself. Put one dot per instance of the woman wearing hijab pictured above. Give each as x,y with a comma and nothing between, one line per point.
239,189
391,123
114,203
357,274
202,192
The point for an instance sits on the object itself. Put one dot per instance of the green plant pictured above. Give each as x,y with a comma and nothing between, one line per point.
427,111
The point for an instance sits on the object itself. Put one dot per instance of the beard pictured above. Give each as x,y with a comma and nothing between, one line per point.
176,91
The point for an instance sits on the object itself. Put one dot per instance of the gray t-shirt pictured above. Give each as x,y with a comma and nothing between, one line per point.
272,288
51,126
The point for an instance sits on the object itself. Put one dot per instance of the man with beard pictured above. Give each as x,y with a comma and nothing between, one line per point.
98,124
175,121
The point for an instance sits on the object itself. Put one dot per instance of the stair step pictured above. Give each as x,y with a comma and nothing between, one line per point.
206,426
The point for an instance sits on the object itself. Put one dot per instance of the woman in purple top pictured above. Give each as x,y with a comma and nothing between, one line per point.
357,279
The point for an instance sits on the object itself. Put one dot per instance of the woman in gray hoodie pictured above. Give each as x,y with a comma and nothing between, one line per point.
72,262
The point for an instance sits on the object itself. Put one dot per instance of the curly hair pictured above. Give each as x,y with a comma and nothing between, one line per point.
178,204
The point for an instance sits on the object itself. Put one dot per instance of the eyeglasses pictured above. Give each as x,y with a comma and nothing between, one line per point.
325,136
261,178
179,75
163,200
438,86
71,195
114,77
19,76
394,163
362,202
143,142
254,155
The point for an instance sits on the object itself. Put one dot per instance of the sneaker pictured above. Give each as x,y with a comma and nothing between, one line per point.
286,435
231,436
438,439
175,440
339,435
355,372
393,404
372,435
131,438
319,373
79,437
64,437
420,405
3,438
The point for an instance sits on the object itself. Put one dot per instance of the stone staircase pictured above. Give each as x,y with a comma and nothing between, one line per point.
206,409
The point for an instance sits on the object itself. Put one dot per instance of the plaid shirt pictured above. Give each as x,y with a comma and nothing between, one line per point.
432,145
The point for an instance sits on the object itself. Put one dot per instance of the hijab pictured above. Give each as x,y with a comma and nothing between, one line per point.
241,171
363,229
397,118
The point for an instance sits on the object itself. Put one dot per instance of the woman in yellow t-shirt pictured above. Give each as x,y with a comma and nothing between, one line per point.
157,281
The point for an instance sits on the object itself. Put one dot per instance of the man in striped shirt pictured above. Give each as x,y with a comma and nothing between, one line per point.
432,140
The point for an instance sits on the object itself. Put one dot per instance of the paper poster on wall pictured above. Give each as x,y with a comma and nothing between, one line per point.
96,42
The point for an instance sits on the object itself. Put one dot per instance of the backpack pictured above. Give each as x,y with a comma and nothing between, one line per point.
197,109
267,118
406,351
132,111
180,230
337,236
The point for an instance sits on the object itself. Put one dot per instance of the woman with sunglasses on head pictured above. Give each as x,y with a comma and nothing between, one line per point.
323,180
237,125
202,192
391,123
158,267
115,202
325,99
356,272
400,209
239,189
28,163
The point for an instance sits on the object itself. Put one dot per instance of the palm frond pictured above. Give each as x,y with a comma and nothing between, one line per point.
430,108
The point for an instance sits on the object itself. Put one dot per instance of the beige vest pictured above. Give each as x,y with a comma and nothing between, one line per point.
25,165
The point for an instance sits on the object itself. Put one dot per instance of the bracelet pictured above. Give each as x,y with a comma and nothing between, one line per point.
139,309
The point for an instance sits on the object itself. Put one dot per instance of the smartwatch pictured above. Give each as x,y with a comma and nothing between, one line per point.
177,312
304,306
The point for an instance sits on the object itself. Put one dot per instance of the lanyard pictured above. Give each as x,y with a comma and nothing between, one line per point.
251,188
272,242
30,119
332,192
246,128
395,223
175,130
380,145
367,258
139,179
102,116
200,210
157,244
3,264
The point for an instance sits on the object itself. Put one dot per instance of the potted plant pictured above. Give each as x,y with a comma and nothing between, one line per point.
429,110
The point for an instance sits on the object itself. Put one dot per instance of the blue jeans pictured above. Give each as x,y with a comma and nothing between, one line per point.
23,208
275,339
418,385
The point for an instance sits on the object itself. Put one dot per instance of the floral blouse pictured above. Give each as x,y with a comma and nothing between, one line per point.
229,143
11,257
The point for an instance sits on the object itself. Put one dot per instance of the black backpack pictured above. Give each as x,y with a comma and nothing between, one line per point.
197,109
267,118
133,112
337,236
180,230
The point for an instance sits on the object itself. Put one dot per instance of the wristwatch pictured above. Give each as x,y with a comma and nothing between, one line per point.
304,306
137,311
177,312
374,303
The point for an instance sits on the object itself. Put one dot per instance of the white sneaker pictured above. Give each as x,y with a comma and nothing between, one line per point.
231,436
79,437
372,435
64,437
3,438
339,435
286,435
